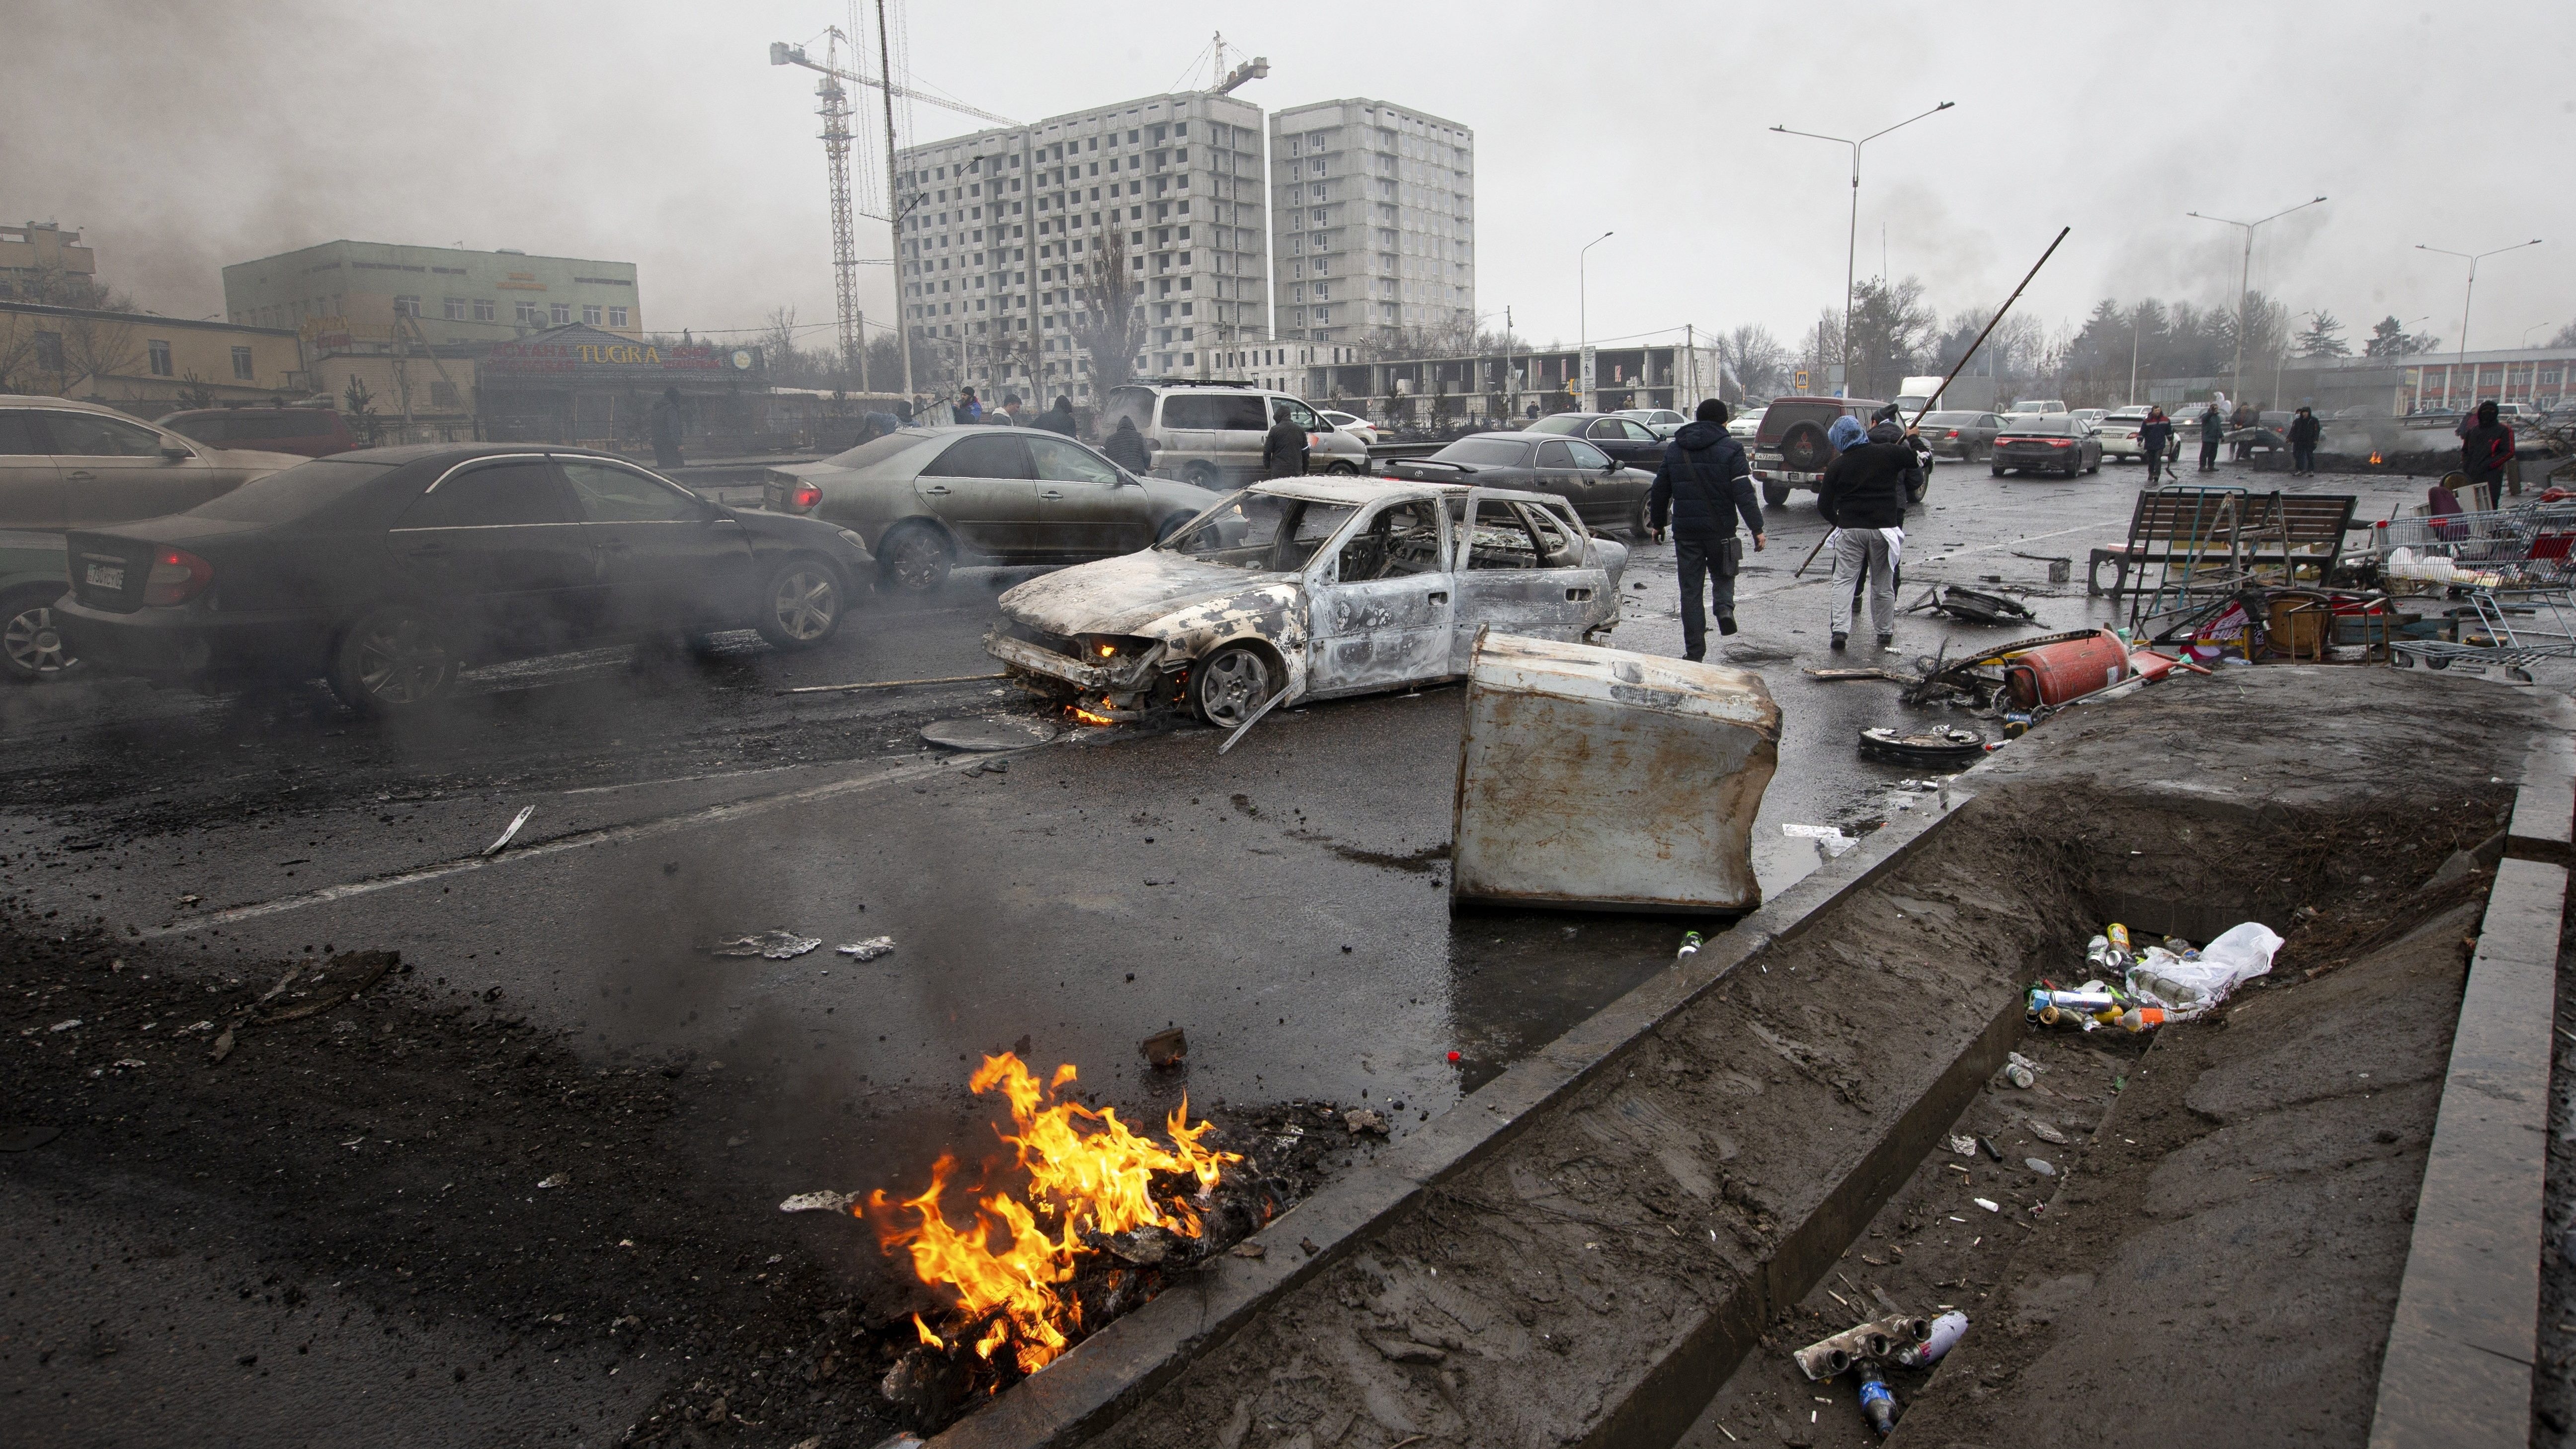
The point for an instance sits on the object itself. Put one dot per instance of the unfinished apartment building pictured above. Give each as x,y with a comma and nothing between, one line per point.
1002,224
1374,222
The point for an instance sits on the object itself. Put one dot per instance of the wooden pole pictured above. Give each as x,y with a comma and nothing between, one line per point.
1990,327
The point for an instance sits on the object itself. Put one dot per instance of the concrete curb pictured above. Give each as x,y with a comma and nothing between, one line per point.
2544,810
1101,1379
2458,1366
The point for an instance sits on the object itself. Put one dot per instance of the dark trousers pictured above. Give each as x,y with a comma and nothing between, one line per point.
2155,466
2303,457
1706,561
2208,454
666,453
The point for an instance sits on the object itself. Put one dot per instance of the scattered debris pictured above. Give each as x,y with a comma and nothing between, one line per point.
867,950
821,1202
1165,1049
1249,1248
1929,747
1989,1204
986,734
1877,1400
1405,1350
554,1179
2040,1165
65,1025
1964,1145
2020,1070
1945,1335
1830,840
1973,606
512,832
1861,1343
775,945
1756,654
1362,1119
890,684
2047,1132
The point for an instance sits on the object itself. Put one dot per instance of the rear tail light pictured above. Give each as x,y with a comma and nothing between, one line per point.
1954,432
804,496
177,576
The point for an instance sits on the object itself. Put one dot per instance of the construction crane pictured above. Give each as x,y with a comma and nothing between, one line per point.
834,108
1251,70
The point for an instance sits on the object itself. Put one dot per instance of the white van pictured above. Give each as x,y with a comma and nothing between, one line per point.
1211,433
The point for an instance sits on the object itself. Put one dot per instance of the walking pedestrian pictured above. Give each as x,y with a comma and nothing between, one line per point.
2486,447
1702,487
1058,419
2153,438
668,426
2213,427
1012,414
2244,417
1126,448
966,409
1863,497
2305,429
1283,452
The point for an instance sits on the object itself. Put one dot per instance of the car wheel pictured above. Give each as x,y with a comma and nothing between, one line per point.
1345,468
393,659
1641,523
1997,468
2095,466
1203,474
29,640
800,606
914,560
1775,495
1916,495
1172,525
1228,685
1805,450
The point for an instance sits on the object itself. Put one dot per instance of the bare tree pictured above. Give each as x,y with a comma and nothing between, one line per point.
1756,360
1109,325
94,346
787,364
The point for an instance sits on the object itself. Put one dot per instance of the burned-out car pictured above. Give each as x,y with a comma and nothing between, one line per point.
1309,588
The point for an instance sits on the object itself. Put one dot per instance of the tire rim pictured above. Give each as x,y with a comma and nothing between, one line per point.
400,661
804,604
917,561
1231,686
34,645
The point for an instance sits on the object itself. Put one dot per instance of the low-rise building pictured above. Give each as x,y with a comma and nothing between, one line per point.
351,292
41,262
145,364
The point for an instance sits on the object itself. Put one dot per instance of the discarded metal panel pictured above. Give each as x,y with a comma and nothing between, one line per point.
1602,779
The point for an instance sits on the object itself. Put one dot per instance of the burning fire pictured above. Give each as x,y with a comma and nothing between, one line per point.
1087,717
1087,1172
2374,457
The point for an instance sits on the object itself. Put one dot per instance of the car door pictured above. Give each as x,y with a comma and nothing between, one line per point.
1519,571
497,546
670,559
31,485
115,471
983,489
1380,608
1086,507
1572,469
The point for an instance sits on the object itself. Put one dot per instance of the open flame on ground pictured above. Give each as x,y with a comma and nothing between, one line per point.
1009,1264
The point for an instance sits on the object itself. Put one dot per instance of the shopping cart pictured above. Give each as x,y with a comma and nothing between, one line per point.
2515,568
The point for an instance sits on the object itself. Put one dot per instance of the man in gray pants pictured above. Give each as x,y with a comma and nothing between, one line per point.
1863,497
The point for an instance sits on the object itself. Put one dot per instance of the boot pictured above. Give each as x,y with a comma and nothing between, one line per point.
1726,623
1840,640
1887,643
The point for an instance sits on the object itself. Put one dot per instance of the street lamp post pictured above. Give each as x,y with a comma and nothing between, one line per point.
1851,249
2244,281
2472,258
1583,316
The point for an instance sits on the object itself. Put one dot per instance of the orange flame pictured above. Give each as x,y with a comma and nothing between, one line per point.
1086,1168
2374,457
1087,717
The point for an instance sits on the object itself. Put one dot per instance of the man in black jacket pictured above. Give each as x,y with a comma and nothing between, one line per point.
1283,450
2153,437
1863,496
1059,419
2486,447
2304,431
1704,485
1126,448
2213,428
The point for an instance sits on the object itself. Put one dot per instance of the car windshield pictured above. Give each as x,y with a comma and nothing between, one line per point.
1563,423
875,450
293,492
2056,426
1260,532
1948,420
1490,452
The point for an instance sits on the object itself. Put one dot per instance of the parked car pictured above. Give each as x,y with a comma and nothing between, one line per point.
2119,429
2046,443
1210,433
1351,423
32,579
2038,405
1966,436
1620,436
1309,588
306,432
1663,422
2268,437
386,571
1789,448
66,464
924,499
1605,493
1743,424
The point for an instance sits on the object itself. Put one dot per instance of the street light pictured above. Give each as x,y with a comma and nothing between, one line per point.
2472,258
1851,250
1583,315
2244,280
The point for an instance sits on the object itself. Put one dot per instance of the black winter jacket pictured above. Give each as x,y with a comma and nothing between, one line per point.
2153,437
1283,450
1126,448
1865,487
2305,430
1704,485
2484,450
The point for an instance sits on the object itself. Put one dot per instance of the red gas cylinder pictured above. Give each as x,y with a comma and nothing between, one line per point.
2056,673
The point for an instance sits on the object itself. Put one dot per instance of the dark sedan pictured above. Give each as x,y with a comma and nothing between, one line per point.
1622,437
1607,495
387,571
1966,436
2046,443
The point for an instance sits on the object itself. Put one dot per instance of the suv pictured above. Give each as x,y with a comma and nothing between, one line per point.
1789,447
312,432
1210,433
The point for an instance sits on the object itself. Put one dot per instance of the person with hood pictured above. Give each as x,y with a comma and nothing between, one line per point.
1702,487
2153,438
2305,429
1863,496
1283,452
2486,449
2213,428
903,409
2244,417
1126,448
966,409
1058,419
668,426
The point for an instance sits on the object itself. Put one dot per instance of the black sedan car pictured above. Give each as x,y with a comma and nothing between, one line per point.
386,571
2046,443
1607,495
1622,437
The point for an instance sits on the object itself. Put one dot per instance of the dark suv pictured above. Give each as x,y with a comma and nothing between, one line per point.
1789,449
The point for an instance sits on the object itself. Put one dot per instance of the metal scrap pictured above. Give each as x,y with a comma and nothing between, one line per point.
869,949
775,945
512,832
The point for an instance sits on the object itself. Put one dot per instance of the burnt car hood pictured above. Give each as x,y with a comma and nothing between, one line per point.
1130,593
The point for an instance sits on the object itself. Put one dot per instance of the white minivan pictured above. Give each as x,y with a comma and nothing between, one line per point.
1211,433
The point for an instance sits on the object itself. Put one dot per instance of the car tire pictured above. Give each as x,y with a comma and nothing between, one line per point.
1996,468
914,559
1345,469
1914,496
1202,474
1804,449
2093,467
1641,523
31,647
801,604
1172,525
394,660
1775,495
1229,684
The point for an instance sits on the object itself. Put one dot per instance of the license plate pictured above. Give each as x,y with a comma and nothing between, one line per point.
105,576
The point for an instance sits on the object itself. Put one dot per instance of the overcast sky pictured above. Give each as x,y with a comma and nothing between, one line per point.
182,136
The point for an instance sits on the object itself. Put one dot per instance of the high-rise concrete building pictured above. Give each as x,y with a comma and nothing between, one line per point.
1375,222
1004,226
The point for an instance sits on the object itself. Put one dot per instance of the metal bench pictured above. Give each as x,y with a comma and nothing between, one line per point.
2224,530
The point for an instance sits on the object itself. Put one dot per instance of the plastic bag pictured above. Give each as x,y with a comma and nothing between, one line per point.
2186,988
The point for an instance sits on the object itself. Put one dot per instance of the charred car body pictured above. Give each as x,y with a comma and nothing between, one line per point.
1309,588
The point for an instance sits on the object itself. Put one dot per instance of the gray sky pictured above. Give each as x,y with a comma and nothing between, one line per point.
184,136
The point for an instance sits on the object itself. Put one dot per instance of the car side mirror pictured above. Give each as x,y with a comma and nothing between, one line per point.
176,452
1610,467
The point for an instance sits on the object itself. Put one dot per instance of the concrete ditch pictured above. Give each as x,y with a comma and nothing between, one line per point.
1581,1251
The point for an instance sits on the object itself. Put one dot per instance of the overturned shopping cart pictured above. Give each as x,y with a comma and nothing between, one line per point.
2513,570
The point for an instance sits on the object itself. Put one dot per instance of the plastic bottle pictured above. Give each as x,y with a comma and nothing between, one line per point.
1946,1332
1877,1400
2140,1018
2179,995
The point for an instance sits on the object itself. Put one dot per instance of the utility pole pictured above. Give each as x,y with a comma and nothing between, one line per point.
2471,294
2244,281
1851,252
1583,318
